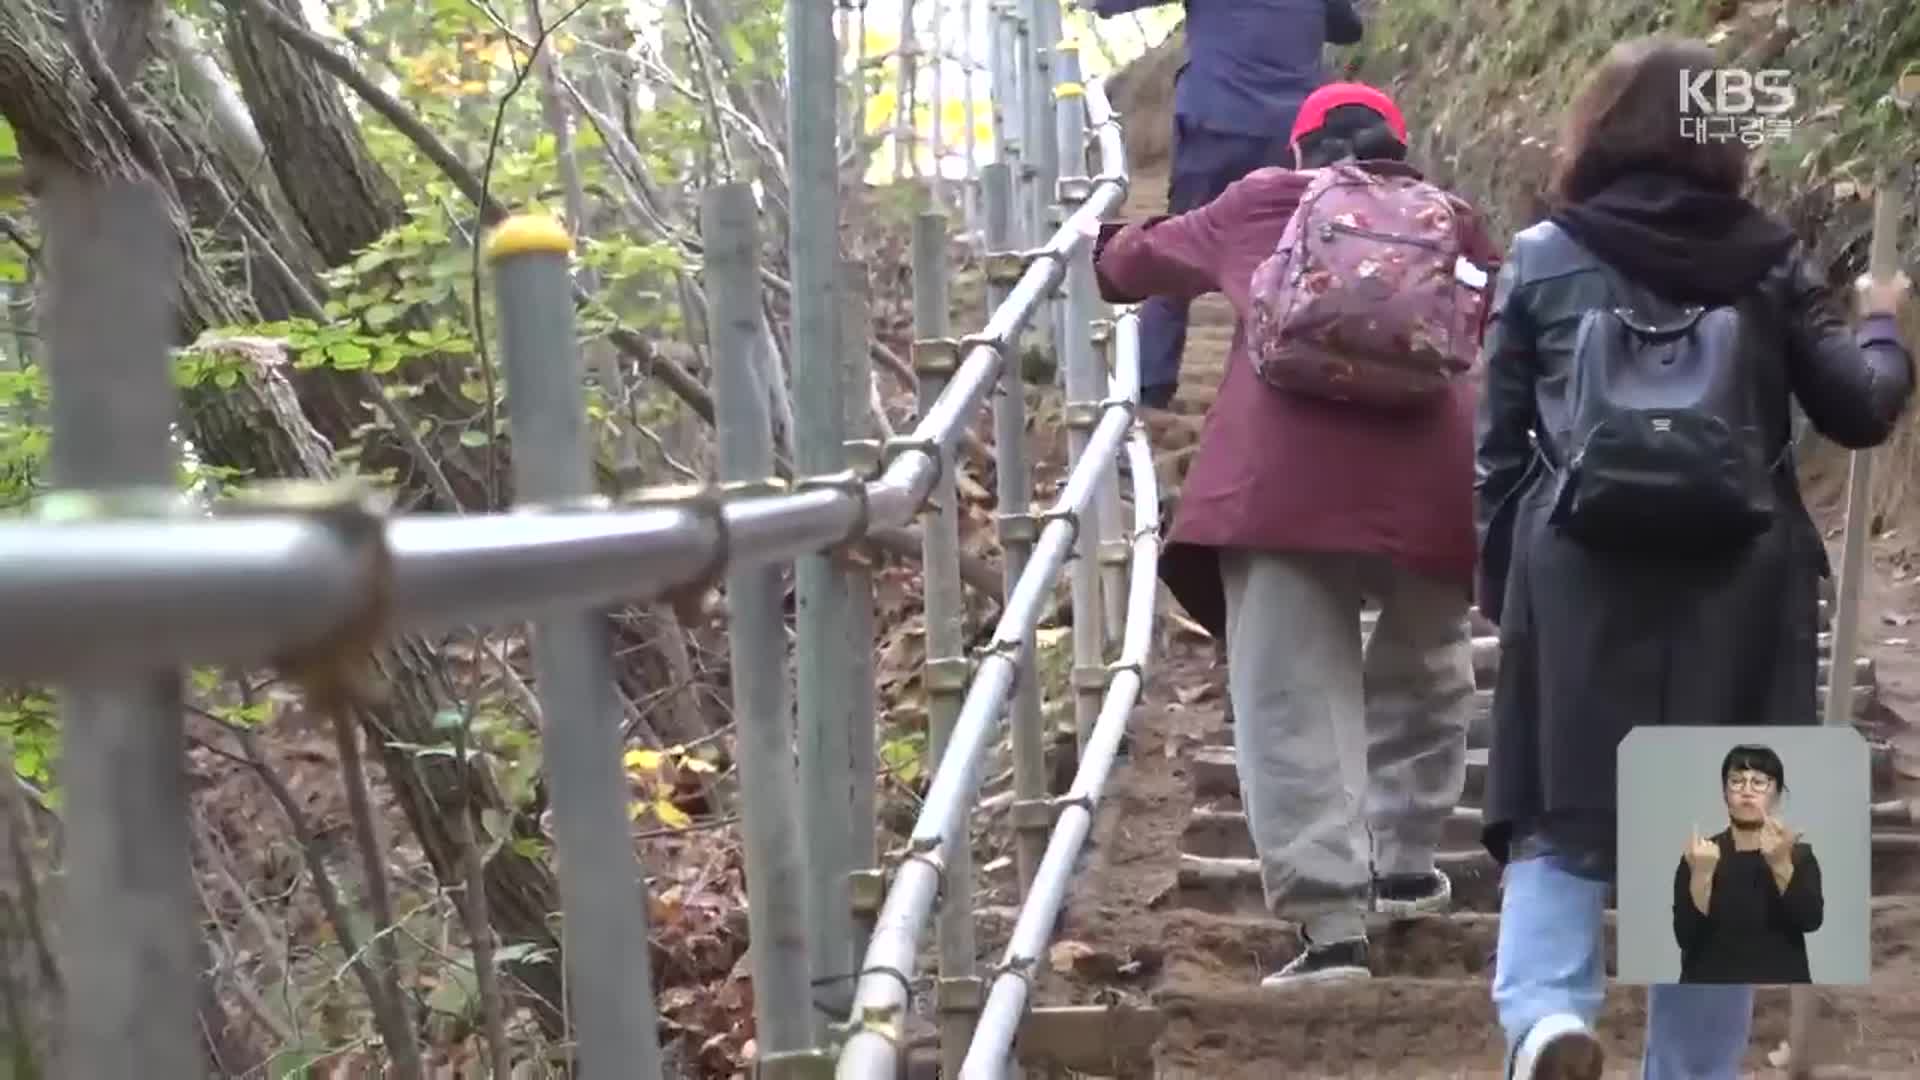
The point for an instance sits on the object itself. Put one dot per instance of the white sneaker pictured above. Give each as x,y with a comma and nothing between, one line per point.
1559,1047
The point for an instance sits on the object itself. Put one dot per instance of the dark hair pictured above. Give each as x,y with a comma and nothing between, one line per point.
1350,129
1754,758
1627,119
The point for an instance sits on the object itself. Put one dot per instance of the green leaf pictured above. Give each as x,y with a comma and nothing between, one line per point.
226,378
348,356
382,314
473,438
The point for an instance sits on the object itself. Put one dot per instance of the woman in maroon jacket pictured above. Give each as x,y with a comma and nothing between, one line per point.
1295,511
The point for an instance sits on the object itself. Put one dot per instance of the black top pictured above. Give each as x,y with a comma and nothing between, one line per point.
1753,932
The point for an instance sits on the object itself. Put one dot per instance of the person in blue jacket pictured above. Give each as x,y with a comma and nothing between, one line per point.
1250,63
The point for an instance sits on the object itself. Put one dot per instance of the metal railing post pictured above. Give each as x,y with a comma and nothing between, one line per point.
1031,812
1115,551
1031,85
970,185
1883,262
609,980
936,356
777,841
863,455
1086,385
824,618
113,278
1047,214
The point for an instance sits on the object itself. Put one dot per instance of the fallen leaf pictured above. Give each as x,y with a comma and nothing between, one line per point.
1063,955
649,760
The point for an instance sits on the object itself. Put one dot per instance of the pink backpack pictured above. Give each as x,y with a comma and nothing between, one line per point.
1368,298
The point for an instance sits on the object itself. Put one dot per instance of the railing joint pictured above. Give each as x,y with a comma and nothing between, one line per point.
864,458
1072,190
1062,513
1101,331
1082,415
1115,552
1124,404
703,500
847,482
1121,667
1064,803
1000,346
893,448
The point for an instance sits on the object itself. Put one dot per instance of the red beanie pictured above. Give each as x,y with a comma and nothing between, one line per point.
1314,110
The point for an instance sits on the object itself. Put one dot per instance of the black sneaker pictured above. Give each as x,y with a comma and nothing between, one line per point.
1402,896
1322,963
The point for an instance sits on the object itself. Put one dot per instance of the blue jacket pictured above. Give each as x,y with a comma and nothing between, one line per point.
1251,62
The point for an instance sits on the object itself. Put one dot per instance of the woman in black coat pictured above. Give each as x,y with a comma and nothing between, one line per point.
1745,898
1596,641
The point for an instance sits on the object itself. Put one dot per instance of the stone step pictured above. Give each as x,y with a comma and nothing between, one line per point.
1231,884
1480,724
1215,832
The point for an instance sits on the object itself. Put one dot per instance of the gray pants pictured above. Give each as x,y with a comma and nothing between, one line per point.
1336,738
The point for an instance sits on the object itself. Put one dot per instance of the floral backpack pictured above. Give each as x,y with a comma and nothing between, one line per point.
1368,298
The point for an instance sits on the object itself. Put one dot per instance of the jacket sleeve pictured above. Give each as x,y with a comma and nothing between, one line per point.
1688,923
1343,23
1169,256
1503,451
1852,385
1803,903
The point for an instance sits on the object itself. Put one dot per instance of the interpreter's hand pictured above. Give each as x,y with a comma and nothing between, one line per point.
1776,842
1702,853
1881,297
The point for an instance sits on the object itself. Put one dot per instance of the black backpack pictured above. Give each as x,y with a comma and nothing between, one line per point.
1667,448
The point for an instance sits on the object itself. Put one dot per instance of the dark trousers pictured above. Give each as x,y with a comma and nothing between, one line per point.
1205,163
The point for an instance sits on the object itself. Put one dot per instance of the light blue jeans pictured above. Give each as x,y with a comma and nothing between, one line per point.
1552,959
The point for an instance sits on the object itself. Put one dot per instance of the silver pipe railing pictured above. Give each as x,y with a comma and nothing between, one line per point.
883,993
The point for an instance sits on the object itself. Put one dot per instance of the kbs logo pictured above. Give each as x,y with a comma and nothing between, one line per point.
1720,104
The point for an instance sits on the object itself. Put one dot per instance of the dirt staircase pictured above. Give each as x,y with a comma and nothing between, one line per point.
1160,953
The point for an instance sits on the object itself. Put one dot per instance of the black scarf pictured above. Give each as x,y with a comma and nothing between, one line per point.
1686,243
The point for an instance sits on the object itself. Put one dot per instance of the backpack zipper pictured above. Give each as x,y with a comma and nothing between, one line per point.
1326,232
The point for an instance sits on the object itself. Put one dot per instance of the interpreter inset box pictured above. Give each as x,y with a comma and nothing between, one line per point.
1744,856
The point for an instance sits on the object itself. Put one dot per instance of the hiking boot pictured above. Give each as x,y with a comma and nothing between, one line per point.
1559,1047
1322,963
1402,896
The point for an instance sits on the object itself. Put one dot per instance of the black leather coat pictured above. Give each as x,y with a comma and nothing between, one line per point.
1595,643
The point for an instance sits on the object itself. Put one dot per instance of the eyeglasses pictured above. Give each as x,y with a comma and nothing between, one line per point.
1750,782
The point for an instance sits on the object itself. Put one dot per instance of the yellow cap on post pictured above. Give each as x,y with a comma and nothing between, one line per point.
529,234
1069,90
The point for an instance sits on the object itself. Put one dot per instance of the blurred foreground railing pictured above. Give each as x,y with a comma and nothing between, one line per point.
117,585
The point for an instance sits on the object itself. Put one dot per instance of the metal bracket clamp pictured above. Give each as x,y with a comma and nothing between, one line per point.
1115,552
1068,802
947,676
1017,528
1066,514
1089,678
1006,268
891,450
1032,815
1121,667
847,482
705,501
935,357
331,669
1124,404
1072,190
1020,967
964,994
1082,415
813,1064
868,889
1100,331
863,458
